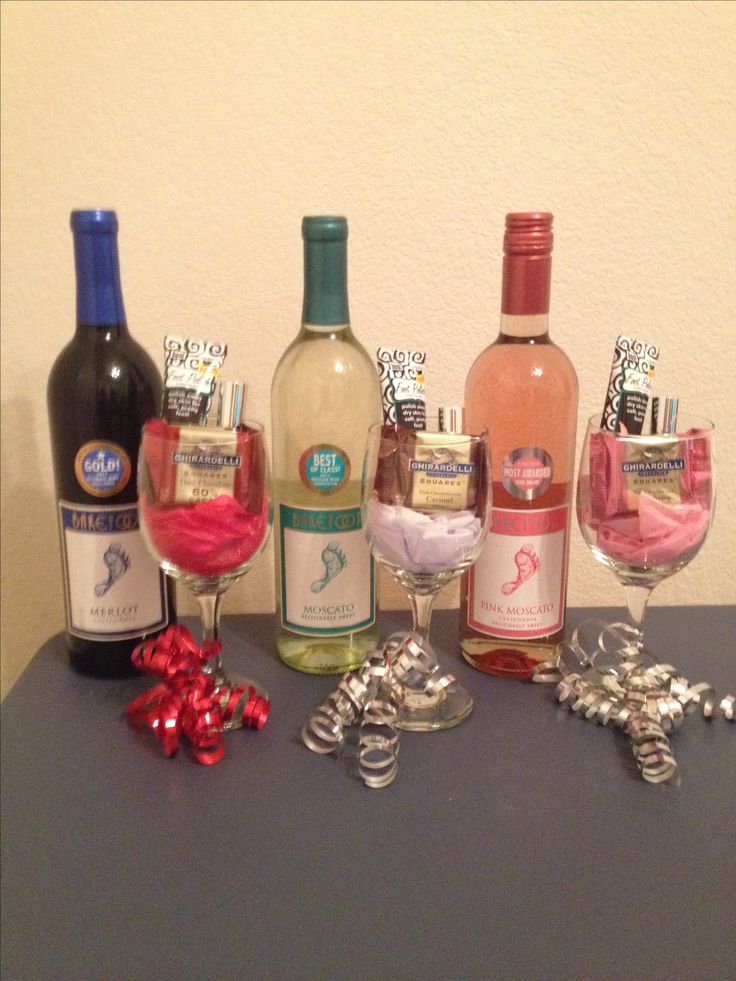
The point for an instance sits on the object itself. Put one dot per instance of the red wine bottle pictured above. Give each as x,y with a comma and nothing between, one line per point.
102,388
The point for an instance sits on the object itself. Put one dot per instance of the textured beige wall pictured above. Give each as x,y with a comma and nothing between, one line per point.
213,127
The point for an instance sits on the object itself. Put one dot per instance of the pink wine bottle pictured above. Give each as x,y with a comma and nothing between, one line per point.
524,391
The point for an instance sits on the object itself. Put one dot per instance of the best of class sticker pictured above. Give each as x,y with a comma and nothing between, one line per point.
324,468
102,468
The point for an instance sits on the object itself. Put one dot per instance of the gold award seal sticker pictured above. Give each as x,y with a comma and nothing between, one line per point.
102,468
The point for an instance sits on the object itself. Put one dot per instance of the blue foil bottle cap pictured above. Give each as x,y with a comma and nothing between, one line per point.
99,295
94,220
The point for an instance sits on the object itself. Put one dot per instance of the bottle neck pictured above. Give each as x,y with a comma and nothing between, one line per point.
325,307
524,327
99,295
525,295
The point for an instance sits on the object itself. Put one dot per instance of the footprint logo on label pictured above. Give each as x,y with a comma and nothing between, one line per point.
527,562
117,563
334,560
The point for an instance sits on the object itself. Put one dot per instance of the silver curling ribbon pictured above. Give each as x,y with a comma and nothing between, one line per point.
324,731
378,743
605,674
371,698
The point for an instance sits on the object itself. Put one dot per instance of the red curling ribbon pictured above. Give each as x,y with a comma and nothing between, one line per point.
187,702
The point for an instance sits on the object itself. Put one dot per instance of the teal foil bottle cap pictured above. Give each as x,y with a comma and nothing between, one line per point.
324,228
325,270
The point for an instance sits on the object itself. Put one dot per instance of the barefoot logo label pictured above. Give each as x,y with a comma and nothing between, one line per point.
327,571
324,468
118,563
113,586
516,586
526,472
527,563
334,561
102,468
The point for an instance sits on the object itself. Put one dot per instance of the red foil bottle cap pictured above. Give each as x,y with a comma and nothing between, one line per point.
527,264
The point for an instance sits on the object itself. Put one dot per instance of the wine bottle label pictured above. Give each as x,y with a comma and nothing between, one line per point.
102,468
327,571
114,589
517,586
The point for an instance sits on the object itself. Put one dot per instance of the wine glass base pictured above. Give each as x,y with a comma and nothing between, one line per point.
420,712
234,680
227,680
230,682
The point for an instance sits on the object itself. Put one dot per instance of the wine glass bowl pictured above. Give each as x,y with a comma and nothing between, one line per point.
645,503
423,548
426,508
205,508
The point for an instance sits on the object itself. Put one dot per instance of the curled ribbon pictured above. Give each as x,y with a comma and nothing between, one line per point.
371,698
605,675
187,702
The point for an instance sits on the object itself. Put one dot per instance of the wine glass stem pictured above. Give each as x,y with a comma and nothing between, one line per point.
209,611
421,610
637,598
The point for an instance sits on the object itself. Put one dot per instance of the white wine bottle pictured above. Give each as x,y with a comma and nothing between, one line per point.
325,395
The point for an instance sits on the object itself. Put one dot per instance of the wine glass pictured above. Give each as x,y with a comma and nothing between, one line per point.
426,507
645,504
205,511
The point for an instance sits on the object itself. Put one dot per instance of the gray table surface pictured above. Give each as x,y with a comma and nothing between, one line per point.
521,845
